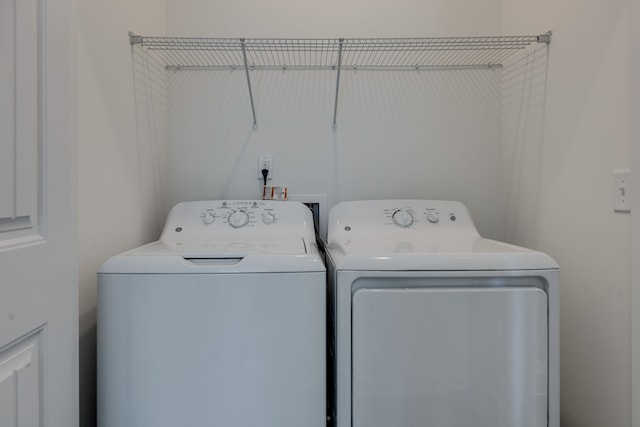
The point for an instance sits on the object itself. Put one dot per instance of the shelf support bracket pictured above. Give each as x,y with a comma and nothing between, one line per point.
246,70
134,39
335,105
545,38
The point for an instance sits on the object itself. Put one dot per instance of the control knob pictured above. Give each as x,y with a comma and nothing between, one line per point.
268,218
238,219
433,216
208,217
402,218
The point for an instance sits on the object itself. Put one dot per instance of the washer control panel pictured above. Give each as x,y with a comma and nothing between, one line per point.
238,214
235,218
399,216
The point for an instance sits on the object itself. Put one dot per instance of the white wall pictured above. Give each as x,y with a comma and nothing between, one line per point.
118,189
332,18
559,198
427,134
585,138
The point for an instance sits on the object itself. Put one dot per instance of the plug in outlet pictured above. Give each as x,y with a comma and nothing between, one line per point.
265,161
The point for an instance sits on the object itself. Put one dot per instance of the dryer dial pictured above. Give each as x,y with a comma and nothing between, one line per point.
403,218
238,219
433,216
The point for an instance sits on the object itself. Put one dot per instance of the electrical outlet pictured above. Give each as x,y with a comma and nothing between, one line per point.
265,161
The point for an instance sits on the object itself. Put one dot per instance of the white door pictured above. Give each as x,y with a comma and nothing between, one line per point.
38,272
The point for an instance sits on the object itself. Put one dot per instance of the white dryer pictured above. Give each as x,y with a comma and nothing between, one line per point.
433,325
219,323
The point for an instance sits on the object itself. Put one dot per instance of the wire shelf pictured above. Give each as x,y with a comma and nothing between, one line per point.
433,52
178,52
335,54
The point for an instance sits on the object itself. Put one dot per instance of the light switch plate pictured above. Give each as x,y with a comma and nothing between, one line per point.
621,190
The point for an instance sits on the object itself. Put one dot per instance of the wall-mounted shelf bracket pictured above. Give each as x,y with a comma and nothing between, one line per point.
134,39
545,38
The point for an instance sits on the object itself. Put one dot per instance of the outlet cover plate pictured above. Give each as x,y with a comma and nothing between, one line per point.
265,161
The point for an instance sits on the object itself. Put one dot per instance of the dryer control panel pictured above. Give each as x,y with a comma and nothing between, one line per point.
395,217
237,218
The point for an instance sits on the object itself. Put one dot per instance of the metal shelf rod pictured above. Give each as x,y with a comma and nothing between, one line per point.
246,69
335,105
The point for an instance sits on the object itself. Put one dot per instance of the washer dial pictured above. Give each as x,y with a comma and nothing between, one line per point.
208,217
402,218
238,219
268,218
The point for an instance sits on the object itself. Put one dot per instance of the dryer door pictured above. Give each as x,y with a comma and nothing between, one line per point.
449,357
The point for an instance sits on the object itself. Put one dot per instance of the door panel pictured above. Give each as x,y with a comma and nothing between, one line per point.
7,108
450,357
20,386
18,116
38,262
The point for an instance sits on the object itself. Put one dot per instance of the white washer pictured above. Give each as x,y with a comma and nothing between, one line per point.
434,325
221,322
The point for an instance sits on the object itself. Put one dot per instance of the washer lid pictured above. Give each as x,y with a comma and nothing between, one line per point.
200,257
223,248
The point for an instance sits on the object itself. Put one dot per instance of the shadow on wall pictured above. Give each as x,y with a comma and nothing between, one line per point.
87,349
150,96
472,134
149,83
523,100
